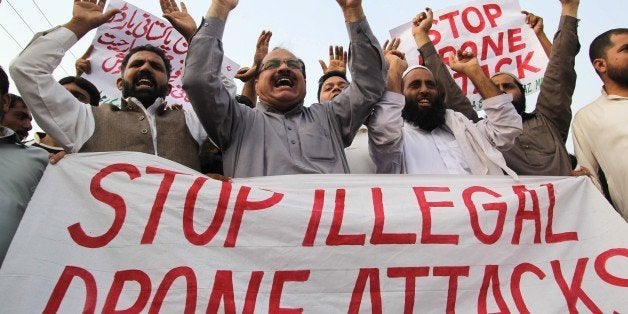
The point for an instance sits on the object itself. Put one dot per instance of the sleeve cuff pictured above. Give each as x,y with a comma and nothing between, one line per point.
211,26
65,37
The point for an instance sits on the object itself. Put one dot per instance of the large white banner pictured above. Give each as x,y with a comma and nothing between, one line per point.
134,27
130,231
494,30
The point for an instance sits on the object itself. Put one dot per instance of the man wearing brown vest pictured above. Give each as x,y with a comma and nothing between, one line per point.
143,123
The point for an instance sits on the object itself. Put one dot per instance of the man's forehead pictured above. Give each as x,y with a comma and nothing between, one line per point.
619,39
146,55
280,53
502,78
419,74
335,80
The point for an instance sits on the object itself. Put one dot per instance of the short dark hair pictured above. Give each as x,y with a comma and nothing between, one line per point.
326,76
94,93
4,82
14,99
150,48
600,44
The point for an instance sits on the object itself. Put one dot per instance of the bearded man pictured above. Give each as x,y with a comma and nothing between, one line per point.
143,123
600,131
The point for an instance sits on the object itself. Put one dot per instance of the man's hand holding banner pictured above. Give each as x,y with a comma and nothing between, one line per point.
130,231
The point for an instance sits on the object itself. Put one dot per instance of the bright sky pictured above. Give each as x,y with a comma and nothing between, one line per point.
307,27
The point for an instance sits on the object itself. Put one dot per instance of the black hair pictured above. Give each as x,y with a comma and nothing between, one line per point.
600,44
94,93
326,76
150,48
4,82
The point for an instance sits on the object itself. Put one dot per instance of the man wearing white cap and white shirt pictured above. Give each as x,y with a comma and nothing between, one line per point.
422,137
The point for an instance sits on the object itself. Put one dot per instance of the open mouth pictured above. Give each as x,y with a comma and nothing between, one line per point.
284,81
144,83
424,102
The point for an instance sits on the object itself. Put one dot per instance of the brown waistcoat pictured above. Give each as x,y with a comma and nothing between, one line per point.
128,129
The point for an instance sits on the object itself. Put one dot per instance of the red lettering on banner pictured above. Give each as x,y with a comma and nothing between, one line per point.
515,284
500,208
491,278
492,11
453,272
315,219
114,200
426,207
280,278
61,288
410,274
489,12
190,295
515,42
252,291
158,205
378,236
467,23
222,290
523,65
489,45
435,35
574,292
452,23
501,63
600,267
189,209
550,237
372,275
242,204
334,237
523,214
119,280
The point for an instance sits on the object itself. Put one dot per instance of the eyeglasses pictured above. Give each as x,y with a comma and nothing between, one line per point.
275,63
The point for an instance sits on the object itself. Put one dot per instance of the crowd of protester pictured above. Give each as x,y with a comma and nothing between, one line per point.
390,118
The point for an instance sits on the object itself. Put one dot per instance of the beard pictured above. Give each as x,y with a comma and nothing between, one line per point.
618,74
520,104
425,118
146,96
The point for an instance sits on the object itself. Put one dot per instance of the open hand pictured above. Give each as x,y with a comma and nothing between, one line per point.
337,60
395,58
180,19
87,15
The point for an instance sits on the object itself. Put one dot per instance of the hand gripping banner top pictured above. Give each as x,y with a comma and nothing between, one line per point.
129,231
495,30
134,27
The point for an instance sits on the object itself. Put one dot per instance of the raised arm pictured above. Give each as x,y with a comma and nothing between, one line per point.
455,99
247,75
502,124
536,24
367,67
218,111
559,81
386,123
56,111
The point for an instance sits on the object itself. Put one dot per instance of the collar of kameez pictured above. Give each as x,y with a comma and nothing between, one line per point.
268,108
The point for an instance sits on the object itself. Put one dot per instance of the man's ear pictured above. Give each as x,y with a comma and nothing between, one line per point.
119,83
599,65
